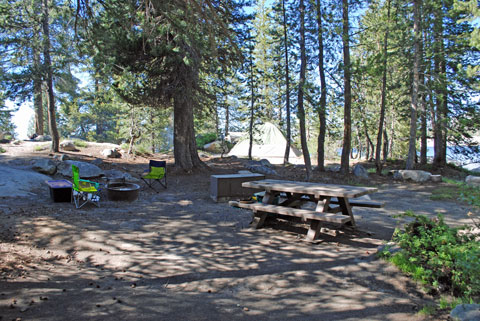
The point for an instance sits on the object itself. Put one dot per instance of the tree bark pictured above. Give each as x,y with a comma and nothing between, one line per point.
347,121
185,146
381,123
287,85
441,96
38,94
323,95
48,67
416,81
301,84
252,111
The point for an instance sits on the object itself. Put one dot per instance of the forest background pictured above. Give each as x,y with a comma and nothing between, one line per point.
376,79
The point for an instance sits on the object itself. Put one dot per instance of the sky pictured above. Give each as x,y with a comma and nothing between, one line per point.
21,118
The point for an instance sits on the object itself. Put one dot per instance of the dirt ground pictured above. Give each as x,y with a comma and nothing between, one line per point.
177,255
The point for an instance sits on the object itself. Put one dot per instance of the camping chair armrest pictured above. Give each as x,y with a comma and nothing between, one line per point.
97,185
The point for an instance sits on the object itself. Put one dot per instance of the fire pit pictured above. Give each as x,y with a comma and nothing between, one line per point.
122,191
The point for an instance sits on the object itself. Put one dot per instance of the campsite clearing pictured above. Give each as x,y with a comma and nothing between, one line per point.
177,255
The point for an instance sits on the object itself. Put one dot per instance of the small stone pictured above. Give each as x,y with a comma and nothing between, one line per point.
23,309
98,305
133,285
246,309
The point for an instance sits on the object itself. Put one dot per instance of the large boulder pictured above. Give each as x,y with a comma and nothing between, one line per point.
414,175
214,147
474,167
259,167
69,146
113,175
20,183
360,171
472,180
87,170
43,138
44,166
466,312
111,153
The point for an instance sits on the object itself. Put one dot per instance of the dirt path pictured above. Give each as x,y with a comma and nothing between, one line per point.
177,255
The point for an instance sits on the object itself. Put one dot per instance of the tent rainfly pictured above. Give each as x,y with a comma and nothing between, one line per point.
268,143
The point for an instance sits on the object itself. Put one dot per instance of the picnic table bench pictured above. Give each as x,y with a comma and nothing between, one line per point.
294,194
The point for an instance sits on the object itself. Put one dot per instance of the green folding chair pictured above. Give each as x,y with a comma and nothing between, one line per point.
84,191
157,172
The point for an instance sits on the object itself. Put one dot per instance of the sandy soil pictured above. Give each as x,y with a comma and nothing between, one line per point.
177,255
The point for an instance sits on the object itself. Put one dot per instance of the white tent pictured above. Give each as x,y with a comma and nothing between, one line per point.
268,143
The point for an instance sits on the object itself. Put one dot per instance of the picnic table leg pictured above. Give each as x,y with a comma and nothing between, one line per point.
346,209
260,217
313,230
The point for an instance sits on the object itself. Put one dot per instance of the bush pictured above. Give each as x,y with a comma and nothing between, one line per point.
439,256
80,143
205,139
457,191
2,150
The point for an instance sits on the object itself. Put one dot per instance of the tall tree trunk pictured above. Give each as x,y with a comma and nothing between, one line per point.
185,146
347,107
227,120
441,98
152,133
37,94
416,81
301,84
322,111
287,85
381,123
252,111
48,68
423,102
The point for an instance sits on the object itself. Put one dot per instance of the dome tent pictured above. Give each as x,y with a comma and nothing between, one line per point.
268,143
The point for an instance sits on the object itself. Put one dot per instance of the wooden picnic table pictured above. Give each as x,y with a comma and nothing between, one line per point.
288,196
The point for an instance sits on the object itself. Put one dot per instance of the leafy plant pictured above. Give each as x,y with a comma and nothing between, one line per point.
438,256
457,191
205,139
2,150
80,143
39,148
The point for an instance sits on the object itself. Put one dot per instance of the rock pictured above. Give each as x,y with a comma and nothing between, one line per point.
436,178
266,163
68,146
116,175
87,170
97,161
214,147
472,180
43,138
474,167
360,171
466,312
112,153
44,166
257,167
414,175
244,172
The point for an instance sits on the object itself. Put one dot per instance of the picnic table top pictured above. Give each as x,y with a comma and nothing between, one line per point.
309,188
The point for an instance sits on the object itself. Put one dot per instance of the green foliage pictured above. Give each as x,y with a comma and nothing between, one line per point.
39,148
80,143
457,191
2,150
427,310
438,256
205,139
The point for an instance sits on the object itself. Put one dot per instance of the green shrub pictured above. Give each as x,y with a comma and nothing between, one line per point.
205,139
2,150
438,256
457,191
80,143
39,148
